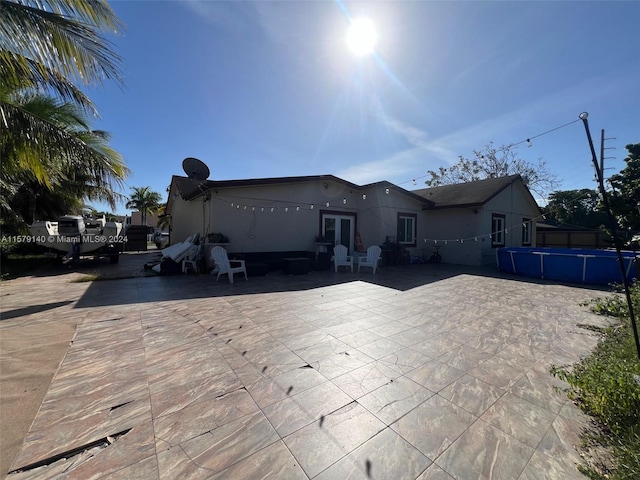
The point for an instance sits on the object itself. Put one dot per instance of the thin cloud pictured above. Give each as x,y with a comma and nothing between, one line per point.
415,161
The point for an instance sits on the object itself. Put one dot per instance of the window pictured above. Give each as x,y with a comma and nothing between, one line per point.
407,229
497,230
526,231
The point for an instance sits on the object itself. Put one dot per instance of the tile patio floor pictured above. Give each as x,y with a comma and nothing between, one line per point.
427,372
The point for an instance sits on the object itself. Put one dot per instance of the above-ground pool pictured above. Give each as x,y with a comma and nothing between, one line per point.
598,267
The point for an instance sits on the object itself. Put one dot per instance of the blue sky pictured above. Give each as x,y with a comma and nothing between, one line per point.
269,89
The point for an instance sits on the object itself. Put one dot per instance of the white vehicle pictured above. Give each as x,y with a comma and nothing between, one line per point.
76,236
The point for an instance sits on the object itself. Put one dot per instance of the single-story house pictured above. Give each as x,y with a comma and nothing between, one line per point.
473,219
284,214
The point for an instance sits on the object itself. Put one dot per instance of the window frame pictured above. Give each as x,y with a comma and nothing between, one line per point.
527,232
498,235
401,222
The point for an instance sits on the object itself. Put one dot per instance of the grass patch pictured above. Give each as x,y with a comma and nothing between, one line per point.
606,386
86,278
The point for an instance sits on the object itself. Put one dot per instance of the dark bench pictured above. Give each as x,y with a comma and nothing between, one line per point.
273,260
296,265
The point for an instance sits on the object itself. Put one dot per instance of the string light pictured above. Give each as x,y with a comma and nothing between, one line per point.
482,237
426,240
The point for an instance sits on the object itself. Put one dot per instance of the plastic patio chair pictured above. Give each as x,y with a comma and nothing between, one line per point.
372,258
341,259
224,265
192,259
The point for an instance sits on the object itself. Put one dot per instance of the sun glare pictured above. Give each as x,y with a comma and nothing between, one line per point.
362,36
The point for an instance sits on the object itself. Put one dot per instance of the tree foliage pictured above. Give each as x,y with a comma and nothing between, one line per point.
46,145
145,201
46,178
49,45
492,162
625,200
577,208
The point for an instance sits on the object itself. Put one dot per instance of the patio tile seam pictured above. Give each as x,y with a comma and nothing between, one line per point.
473,424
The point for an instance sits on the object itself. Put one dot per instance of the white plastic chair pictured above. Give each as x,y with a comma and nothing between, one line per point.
372,258
341,259
224,265
192,259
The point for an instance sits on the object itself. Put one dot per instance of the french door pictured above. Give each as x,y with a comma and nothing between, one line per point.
340,229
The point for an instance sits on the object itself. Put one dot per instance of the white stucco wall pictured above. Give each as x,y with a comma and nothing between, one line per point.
455,231
467,231
245,214
186,219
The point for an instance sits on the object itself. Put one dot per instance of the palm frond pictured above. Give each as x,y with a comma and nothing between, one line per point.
19,72
57,42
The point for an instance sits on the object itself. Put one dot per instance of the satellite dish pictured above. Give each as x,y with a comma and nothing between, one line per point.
195,169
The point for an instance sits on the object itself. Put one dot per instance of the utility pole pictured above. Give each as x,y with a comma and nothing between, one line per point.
612,225
603,148
602,151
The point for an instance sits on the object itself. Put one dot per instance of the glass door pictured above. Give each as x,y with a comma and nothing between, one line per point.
340,229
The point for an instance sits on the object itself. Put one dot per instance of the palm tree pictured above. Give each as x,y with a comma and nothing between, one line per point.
47,45
144,200
164,220
76,161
